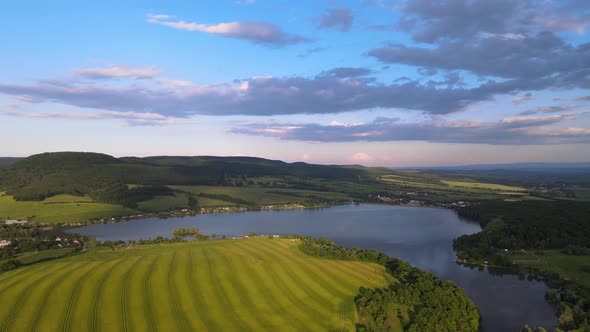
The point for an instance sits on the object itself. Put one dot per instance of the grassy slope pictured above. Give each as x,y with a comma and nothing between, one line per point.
249,284
263,196
60,208
244,181
162,203
480,185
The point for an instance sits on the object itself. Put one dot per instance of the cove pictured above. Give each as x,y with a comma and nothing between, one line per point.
421,236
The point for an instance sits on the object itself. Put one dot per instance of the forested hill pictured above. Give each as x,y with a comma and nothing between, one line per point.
107,179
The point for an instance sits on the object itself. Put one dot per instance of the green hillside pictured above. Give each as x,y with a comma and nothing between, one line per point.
234,285
157,184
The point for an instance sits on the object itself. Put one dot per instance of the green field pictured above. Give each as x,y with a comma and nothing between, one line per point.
262,196
163,203
59,209
32,257
575,268
480,185
233,285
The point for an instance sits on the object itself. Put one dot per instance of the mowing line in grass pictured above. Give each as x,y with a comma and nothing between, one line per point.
266,305
98,294
146,294
238,287
196,295
20,298
220,291
124,294
314,291
73,297
181,320
47,294
290,288
319,274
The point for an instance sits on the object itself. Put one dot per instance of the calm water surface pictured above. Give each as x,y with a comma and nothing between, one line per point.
421,236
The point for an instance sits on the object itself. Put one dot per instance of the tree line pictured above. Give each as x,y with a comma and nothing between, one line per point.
417,299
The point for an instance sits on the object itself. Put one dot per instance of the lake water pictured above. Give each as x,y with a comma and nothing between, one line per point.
421,236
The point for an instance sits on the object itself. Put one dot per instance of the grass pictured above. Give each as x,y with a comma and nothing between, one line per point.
59,209
33,257
261,196
248,285
481,185
163,203
568,266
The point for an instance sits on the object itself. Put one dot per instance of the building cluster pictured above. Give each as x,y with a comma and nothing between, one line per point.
454,205
15,222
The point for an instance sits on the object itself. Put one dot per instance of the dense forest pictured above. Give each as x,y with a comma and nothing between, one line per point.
417,300
534,225
524,225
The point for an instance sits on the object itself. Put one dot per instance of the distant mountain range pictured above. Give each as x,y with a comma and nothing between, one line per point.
524,167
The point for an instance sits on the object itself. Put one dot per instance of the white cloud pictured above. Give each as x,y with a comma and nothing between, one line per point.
118,72
257,32
129,118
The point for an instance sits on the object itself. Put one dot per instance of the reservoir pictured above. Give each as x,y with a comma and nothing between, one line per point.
420,236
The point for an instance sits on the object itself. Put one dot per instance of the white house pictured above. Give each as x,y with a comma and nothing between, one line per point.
15,222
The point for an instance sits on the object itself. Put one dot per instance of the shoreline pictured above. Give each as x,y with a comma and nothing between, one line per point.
183,213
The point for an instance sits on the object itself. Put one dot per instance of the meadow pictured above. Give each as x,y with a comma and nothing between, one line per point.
258,196
225,285
59,209
571,267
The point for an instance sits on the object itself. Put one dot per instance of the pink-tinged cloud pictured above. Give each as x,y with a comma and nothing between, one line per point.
256,32
361,157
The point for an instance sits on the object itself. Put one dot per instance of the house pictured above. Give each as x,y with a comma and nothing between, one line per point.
15,222
4,243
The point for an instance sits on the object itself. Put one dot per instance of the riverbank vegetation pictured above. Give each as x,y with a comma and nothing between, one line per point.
186,231
415,300
548,239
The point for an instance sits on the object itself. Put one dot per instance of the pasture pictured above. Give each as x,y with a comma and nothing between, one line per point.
225,285
163,203
260,196
576,268
481,185
59,209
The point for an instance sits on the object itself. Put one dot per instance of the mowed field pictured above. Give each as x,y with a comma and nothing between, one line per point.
218,285
59,209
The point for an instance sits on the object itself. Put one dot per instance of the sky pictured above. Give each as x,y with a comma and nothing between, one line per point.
372,82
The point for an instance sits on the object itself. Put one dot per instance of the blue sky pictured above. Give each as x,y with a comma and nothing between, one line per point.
387,83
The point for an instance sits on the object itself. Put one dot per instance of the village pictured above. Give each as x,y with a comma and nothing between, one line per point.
20,238
397,200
